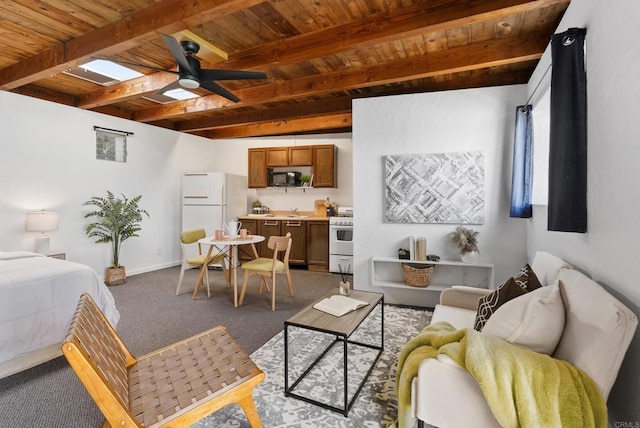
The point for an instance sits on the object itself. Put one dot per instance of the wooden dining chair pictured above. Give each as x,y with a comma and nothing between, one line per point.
194,257
269,267
175,386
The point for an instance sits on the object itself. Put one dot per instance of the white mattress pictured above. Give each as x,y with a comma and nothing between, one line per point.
38,296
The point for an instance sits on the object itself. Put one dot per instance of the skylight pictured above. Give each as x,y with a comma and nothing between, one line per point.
111,69
171,96
103,72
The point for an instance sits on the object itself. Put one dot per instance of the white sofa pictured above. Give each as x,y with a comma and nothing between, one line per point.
597,332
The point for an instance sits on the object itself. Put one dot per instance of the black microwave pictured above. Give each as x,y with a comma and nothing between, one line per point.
284,178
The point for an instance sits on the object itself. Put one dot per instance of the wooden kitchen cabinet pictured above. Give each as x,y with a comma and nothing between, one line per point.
321,158
268,228
324,166
301,156
318,245
257,168
298,230
277,156
245,252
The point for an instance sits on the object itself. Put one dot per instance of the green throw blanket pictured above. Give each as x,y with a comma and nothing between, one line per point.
523,388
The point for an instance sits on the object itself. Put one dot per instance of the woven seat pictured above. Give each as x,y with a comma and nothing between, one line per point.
174,386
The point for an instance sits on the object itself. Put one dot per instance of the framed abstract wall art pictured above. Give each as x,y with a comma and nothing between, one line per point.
434,188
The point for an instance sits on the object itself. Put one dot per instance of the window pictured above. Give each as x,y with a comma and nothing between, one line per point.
541,124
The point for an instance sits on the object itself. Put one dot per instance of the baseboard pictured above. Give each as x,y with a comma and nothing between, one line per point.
153,268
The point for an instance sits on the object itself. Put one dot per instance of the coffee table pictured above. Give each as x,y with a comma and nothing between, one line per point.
342,328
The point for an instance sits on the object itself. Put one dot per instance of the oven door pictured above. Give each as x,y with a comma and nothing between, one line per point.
341,240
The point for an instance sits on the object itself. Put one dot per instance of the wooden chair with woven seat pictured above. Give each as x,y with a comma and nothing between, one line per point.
175,386
269,267
194,257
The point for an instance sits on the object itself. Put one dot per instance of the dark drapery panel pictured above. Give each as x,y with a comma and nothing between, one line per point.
522,172
568,137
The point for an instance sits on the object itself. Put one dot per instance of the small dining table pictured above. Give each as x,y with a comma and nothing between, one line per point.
232,244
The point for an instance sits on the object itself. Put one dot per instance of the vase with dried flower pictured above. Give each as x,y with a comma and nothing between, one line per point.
466,241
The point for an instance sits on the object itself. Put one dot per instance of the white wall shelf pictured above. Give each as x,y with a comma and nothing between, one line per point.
387,272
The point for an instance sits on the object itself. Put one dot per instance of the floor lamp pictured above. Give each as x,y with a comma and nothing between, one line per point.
42,221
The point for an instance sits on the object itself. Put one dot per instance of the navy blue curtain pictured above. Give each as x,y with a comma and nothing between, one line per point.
522,172
568,134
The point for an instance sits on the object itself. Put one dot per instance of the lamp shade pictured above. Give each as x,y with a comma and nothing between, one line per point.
42,221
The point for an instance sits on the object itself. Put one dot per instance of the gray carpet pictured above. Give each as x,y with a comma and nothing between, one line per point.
152,316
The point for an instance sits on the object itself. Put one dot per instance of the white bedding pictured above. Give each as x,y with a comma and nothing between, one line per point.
38,296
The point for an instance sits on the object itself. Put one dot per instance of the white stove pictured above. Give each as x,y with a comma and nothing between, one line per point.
341,241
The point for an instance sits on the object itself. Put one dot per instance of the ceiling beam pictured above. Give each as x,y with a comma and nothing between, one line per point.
380,28
131,89
166,16
297,110
475,56
317,123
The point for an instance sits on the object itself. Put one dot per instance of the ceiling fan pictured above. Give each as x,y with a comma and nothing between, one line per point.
191,76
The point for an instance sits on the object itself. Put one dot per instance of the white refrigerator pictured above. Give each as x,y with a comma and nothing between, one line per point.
211,199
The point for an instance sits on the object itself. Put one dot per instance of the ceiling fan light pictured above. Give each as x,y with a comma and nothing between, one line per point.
188,82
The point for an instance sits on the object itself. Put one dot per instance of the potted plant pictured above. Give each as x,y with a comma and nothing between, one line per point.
304,180
116,220
466,240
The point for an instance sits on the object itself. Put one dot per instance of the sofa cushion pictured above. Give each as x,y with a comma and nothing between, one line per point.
458,317
598,329
534,320
547,267
490,303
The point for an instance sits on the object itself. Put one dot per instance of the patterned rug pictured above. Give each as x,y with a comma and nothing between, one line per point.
376,404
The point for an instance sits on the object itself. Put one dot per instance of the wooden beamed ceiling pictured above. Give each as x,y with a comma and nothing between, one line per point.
318,56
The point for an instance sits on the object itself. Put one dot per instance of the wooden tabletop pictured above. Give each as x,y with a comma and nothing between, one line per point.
344,325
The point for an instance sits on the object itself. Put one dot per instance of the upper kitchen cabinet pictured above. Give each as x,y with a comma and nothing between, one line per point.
257,168
325,166
321,158
277,156
301,155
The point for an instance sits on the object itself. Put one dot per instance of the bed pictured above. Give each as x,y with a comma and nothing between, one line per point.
38,296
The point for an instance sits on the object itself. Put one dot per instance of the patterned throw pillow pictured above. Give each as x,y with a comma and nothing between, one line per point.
522,283
527,279
491,302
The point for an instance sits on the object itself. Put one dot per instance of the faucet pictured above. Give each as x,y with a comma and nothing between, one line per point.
294,211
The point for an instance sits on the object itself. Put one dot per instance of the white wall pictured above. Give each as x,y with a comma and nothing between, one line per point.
610,249
47,161
453,121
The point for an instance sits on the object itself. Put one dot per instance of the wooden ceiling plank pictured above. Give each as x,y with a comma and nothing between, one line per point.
47,20
319,123
385,26
272,19
471,57
165,16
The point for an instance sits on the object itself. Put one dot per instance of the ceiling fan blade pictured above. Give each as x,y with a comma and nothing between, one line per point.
178,53
217,89
135,64
230,75
170,86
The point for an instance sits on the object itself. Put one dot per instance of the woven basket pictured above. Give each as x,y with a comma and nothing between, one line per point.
417,275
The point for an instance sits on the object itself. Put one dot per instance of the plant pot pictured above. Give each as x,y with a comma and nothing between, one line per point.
469,257
115,276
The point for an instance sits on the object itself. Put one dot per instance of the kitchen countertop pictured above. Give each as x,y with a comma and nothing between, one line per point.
304,216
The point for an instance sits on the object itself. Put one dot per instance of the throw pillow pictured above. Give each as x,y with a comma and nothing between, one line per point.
527,279
534,320
492,301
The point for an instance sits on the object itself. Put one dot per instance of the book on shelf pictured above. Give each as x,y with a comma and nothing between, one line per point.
339,305
421,249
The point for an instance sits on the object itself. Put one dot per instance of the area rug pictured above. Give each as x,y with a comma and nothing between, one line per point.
376,405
